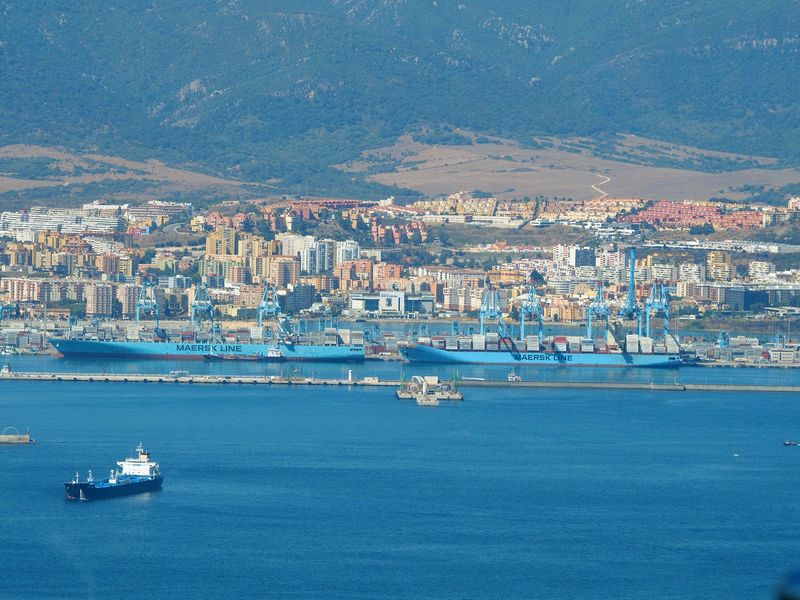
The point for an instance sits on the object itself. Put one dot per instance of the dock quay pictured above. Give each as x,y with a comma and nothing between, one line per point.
189,379
655,387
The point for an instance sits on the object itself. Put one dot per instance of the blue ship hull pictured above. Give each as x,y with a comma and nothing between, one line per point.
197,351
126,485
428,354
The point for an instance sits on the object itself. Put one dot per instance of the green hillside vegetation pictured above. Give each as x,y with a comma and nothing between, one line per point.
262,90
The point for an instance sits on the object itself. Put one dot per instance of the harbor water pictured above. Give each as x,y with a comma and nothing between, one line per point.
349,493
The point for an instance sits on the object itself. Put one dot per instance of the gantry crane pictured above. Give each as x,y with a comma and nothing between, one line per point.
202,307
631,309
532,307
598,308
491,310
657,301
268,307
147,302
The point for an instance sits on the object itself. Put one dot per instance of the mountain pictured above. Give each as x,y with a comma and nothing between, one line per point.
273,90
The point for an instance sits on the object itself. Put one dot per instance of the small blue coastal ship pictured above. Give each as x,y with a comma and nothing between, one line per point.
138,475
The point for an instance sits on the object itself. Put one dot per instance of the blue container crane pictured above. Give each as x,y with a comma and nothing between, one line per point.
658,301
268,307
147,303
598,308
724,340
631,309
491,310
202,307
531,307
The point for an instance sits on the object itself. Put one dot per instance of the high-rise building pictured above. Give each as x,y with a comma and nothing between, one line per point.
296,297
126,265
319,258
238,275
250,246
127,296
293,244
99,300
561,254
719,265
355,274
347,250
691,272
760,269
283,270
581,257
610,259
222,242
25,290
108,263
384,274
663,272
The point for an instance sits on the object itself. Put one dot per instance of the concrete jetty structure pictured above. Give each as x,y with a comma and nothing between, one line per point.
16,437
188,379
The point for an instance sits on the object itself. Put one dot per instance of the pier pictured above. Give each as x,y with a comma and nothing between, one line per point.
189,379
16,437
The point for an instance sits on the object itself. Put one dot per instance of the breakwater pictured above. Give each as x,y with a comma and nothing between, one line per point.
191,379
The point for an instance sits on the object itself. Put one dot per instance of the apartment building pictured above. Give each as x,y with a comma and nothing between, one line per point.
99,300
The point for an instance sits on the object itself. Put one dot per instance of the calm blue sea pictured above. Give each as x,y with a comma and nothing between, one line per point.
348,493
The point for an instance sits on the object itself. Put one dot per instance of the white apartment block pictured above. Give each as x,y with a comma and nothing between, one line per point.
759,270
691,272
663,272
347,250
23,226
293,244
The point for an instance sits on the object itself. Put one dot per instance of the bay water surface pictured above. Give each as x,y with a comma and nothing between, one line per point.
346,492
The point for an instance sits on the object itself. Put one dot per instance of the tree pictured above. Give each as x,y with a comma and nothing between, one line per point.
705,229
538,278
441,234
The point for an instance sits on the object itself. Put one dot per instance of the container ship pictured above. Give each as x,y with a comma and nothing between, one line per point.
273,341
211,350
492,349
498,348
138,475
